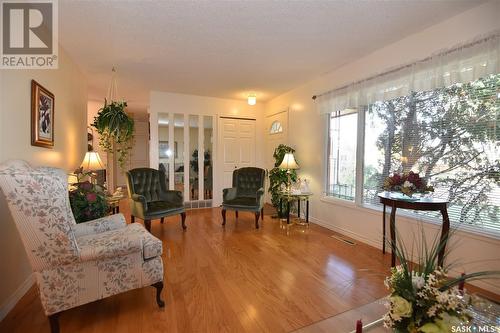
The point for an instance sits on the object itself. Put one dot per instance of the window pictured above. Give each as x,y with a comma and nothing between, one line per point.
276,127
449,135
342,129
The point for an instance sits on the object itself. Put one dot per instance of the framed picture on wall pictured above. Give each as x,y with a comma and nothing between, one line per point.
42,116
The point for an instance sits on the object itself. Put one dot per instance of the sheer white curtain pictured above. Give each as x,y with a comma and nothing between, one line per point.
461,64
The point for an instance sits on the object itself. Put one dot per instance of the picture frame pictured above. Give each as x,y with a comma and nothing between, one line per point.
42,116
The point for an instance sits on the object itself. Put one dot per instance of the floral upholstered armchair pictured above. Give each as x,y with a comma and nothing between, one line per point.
74,263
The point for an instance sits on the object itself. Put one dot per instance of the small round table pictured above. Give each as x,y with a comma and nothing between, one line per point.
423,204
289,197
114,203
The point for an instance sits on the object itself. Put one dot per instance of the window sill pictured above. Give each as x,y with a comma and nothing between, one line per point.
412,218
338,201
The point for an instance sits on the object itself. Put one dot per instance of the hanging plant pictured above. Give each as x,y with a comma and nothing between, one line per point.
278,177
116,130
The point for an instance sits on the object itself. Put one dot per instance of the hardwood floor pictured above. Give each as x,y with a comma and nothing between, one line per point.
232,279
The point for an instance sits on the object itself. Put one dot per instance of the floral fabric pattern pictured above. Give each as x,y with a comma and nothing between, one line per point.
98,226
75,264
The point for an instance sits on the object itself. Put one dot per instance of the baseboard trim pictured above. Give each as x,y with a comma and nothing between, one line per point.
484,284
11,302
347,233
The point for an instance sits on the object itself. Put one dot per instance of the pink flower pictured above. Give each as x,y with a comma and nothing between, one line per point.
91,197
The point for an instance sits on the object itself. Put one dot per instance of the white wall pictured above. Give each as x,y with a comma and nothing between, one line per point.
308,137
70,90
93,108
164,102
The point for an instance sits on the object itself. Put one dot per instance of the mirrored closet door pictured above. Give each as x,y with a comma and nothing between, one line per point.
186,155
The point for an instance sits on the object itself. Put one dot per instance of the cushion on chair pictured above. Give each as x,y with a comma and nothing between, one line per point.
119,242
241,201
103,224
160,207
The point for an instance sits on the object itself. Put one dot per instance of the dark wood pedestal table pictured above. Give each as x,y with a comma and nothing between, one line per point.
423,204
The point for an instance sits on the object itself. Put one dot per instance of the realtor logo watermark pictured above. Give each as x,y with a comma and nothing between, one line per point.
29,34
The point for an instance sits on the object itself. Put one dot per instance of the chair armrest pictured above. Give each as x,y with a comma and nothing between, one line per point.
109,244
172,196
229,193
260,197
107,223
140,199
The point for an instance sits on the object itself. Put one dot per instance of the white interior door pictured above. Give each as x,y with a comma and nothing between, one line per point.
237,146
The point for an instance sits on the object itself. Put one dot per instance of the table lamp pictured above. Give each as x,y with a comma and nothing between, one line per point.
288,164
91,163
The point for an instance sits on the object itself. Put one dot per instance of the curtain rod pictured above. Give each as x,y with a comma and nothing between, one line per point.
481,39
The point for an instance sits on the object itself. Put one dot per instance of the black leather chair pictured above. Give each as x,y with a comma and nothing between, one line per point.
247,193
149,198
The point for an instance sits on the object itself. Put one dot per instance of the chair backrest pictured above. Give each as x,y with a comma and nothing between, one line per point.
38,201
147,182
248,181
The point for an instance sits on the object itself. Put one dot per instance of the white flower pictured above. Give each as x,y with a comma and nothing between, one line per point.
400,307
432,310
407,184
417,281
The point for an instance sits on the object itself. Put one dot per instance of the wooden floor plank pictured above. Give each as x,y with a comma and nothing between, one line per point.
231,279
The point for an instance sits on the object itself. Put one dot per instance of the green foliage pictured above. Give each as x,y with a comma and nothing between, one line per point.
277,176
88,201
116,130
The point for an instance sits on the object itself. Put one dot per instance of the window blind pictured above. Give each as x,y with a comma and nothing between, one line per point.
450,136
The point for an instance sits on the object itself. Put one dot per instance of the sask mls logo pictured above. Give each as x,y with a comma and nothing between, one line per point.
29,34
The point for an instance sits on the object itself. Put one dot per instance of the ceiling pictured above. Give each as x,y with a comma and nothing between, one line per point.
229,49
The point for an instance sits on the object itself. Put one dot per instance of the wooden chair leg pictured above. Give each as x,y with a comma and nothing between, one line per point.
262,214
183,220
132,218
54,322
159,288
236,213
161,220
147,224
223,217
257,215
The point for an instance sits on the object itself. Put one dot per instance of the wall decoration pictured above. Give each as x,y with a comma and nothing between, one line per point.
42,116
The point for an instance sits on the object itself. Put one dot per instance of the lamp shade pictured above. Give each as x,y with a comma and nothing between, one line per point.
92,162
289,162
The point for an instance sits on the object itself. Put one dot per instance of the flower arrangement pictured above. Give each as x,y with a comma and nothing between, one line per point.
407,183
421,302
87,200
423,299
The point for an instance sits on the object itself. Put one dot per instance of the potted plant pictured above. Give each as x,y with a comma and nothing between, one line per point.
87,200
116,130
279,177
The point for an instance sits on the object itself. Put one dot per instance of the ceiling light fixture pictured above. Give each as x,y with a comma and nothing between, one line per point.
252,99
